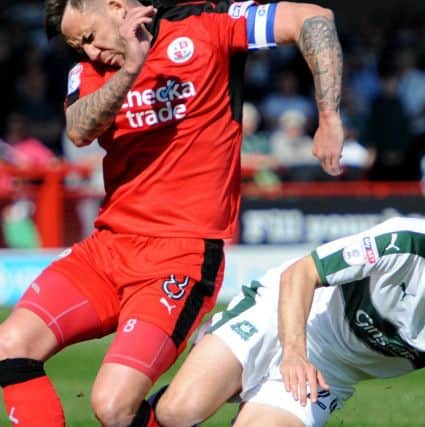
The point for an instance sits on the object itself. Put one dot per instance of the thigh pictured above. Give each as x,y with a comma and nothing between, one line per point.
272,394
25,335
67,312
176,304
209,377
139,353
142,346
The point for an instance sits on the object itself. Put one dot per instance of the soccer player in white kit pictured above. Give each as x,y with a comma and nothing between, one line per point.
370,327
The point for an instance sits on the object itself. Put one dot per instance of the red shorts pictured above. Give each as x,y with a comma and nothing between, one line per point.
113,282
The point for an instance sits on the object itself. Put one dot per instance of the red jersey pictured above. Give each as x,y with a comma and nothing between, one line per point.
172,167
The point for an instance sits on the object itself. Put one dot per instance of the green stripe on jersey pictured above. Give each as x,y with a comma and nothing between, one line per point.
250,293
399,242
331,263
391,243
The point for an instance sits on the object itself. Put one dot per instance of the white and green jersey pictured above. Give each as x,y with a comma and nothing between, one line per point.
374,321
373,325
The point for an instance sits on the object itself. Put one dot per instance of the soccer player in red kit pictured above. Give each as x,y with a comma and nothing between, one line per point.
161,89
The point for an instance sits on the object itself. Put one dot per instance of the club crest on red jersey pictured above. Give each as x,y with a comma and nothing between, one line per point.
180,50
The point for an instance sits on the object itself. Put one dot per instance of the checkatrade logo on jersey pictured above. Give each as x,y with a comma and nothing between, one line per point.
180,50
150,107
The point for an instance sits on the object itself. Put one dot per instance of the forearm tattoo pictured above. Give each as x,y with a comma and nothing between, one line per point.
320,47
90,116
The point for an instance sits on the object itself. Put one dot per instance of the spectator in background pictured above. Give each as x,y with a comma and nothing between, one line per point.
356,158
351,111
45,123
257,75
7,75
286,97
57,61
291,146
90,157
387,132
256,158
411,89
20,148
362,76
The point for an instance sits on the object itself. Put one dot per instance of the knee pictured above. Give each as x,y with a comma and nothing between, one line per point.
25,335
110,411
12,344
178,409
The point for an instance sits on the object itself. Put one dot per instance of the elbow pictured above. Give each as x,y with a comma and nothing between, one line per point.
327,13
314,19
292,19
315,11
284,277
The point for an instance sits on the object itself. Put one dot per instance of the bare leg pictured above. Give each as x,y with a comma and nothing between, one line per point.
24,335
210,375
30,398
117,394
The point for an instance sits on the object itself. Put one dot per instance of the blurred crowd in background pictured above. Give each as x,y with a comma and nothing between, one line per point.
383,104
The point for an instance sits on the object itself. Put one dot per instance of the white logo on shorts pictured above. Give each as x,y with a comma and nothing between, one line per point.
35,287
165,303
12,417
180,50
64,253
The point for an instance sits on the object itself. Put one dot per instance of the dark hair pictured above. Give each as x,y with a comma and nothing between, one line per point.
53,14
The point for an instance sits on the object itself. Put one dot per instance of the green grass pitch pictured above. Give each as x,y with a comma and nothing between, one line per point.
397,402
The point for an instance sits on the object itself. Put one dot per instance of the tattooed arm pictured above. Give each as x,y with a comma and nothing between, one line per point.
90,116
319,45
313,29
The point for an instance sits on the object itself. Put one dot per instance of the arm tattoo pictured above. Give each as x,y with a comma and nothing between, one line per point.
318,42
90,116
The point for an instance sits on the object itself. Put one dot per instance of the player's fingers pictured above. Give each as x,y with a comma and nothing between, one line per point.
141,16
302,385
331,167
312,381
335,164
322,382
140,11
286,380
294,385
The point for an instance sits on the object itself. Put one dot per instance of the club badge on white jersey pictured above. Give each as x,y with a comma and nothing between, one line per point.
361,251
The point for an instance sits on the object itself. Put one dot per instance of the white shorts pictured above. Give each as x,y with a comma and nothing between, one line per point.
249,328
272,392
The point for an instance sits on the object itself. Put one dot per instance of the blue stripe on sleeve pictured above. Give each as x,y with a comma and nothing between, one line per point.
270,23
251,24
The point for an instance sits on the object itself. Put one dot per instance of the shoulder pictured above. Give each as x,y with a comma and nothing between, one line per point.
399,224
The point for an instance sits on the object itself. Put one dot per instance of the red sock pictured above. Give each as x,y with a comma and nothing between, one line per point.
152,421
33,403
